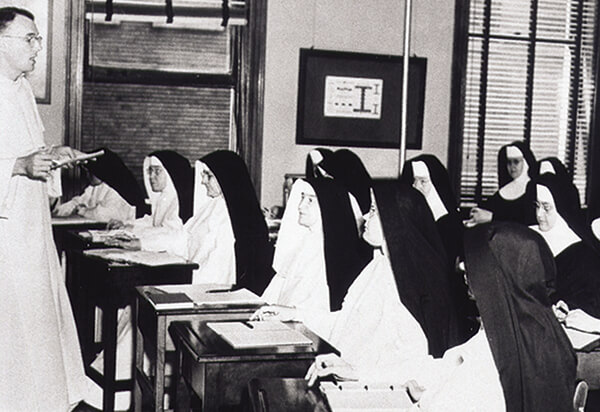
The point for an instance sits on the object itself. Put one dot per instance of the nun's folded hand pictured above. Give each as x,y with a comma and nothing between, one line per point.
478,216
275,312
561,310
114,224
330,365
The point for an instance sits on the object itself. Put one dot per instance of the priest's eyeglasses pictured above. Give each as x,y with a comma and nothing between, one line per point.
31,39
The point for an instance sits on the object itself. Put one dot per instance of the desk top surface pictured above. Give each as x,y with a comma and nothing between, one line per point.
205,346
77,221
123,258
196,292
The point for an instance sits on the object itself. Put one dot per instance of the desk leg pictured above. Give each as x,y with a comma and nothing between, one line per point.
109,340
159,381
139,360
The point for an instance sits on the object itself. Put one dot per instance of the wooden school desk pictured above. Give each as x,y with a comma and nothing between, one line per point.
152,338
74,242
110,286
217,376
61,226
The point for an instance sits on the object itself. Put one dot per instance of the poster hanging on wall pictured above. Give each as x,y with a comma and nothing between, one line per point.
354,99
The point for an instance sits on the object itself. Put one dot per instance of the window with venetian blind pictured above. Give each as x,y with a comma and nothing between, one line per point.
151,85
530,71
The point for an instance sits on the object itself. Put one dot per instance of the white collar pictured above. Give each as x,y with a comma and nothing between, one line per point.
517,187
560,237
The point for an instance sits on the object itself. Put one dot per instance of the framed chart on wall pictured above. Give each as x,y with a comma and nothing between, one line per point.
40,76
355,99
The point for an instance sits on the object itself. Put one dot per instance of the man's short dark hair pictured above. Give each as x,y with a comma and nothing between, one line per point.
8,14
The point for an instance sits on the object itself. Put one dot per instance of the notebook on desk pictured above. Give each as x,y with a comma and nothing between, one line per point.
161,300
252,335
357,396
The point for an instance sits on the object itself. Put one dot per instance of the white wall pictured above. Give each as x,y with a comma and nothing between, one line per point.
53,114
374,26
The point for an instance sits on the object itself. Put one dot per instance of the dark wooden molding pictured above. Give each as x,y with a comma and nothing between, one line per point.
250,96
98,74
457,93
593,164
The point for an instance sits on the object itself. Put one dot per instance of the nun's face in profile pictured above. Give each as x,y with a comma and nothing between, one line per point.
546,213
422,184
514,166
308,209
373,234
213,189
158,178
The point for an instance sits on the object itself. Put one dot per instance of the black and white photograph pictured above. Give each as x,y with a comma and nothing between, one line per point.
300,206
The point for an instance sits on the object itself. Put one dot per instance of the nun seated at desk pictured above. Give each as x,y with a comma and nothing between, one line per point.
399,303
520,360
513,201
554,166
168,178
427,174
113,192
575,249
228,235
318,253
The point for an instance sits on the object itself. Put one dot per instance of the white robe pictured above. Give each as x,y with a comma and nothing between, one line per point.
465,379
301,278
40,360
102,203
373,328
211,244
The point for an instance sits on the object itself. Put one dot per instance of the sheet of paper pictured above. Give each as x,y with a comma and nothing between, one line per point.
216,294
580,339
356,396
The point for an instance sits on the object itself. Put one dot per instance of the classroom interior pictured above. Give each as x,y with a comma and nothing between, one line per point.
124,78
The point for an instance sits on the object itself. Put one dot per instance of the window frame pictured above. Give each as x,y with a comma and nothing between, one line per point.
457,113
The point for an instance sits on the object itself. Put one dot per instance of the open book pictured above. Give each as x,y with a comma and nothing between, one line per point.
357,396
251,335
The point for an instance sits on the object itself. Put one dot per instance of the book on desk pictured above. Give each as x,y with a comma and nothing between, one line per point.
259,334
162,300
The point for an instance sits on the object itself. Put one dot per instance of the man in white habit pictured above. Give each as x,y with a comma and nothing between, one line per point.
40,359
